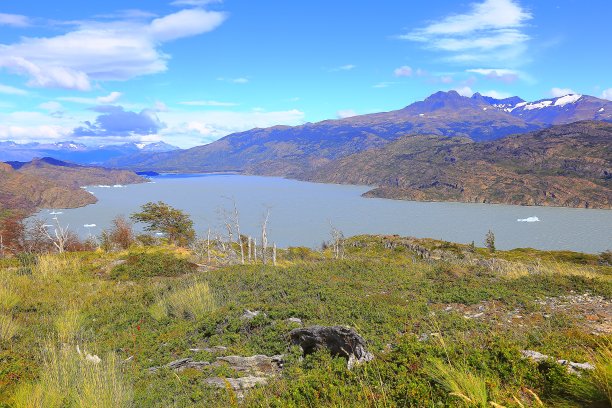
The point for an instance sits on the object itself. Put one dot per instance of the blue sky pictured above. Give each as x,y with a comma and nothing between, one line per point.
190,71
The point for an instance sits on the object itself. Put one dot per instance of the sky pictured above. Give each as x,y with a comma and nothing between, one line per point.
191,71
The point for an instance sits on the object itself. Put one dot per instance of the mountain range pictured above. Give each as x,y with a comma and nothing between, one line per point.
292,151
447,147
78,152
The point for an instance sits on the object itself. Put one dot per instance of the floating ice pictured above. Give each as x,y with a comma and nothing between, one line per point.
529,219
89,225
103,186
55,213
118,186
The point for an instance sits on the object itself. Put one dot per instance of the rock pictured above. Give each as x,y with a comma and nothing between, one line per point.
248,315
340,341
237,384
295,320
572,367
182,364
214,349
257,365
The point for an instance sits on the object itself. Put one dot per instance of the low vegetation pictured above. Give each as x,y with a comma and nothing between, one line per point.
448,325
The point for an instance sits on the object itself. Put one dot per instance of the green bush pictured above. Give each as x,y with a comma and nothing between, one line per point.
146,265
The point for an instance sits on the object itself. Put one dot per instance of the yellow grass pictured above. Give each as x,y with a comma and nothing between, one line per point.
8,327
68,379
68,324
194,301
52,266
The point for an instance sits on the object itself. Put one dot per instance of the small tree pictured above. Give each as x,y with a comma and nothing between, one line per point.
490,241
176,225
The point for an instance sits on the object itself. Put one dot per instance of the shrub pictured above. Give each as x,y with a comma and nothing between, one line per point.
144,265
120,236
193,302
69,379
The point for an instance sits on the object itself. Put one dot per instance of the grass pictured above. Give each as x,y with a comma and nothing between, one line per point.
193,302
147,307
68,379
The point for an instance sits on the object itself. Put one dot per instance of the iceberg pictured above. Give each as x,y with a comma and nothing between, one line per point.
529,219
89,225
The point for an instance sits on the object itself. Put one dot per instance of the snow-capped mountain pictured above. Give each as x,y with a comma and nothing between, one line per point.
77,152
555,111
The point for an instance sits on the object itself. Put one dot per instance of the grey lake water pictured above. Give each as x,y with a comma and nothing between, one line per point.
301,213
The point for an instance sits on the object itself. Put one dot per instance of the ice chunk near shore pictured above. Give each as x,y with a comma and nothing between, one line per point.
118,186
89,225
103,186
529,219
55,213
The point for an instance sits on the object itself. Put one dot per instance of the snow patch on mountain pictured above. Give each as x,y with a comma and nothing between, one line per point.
564,100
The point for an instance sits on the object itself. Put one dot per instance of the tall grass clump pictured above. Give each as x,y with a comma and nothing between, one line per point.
8,327
192,302
51,266
601,376
459,382
8,296
68,324
68,379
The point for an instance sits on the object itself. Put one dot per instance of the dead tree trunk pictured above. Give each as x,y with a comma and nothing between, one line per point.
274,254
249,249
264,237
208,245
236,219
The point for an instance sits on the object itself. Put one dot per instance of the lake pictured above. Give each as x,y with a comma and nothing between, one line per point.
301,213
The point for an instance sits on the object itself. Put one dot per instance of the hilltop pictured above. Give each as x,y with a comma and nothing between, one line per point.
565,165
51,183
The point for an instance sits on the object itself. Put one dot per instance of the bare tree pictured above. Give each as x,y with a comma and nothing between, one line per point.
337,242
274,254
208,245
249,248
60,237
255,249
239,237
264,236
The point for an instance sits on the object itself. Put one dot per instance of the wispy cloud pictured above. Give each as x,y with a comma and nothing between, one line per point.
107,50
100,100
607,94
557,92
496,94
14,20
490,31
383,84
11,90
503,75
346,113
347,67
240,80
464,91
208,103
403,71
196,3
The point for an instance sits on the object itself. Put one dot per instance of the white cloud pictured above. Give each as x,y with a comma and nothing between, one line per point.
207,103
607,94
14,20
185,23
51,106
557,92
11,90
502,75
490,31
403,71
346,113
240,80
100,51
446,79
465,91
188,129
347,67
496,94
100,100
383,85
197,3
